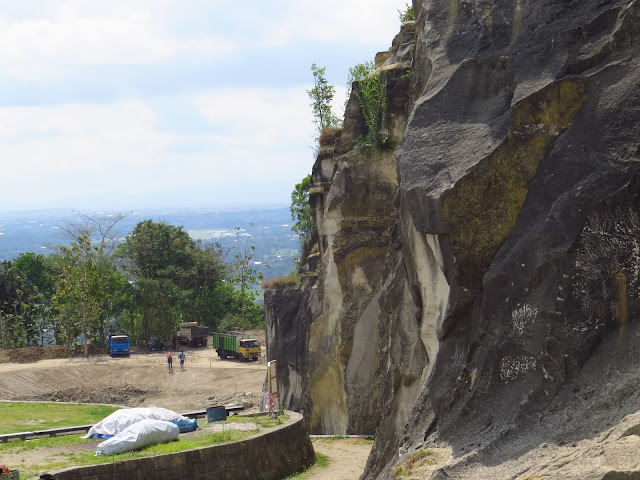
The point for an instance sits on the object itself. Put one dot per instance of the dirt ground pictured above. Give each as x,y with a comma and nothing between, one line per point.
143,379
347,458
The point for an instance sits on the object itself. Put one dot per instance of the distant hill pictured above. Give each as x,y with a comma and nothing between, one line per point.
276,245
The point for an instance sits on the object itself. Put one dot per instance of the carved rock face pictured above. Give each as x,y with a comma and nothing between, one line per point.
469,279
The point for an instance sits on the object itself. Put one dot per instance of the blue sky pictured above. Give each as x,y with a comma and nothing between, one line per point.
142,103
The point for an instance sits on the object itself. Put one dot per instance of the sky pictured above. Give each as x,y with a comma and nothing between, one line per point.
170,103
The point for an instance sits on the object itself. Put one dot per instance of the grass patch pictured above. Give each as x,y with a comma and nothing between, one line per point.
60,454
415,459
363,441
281,281
184,443
27,417
322,460
17,445
61,459
262,421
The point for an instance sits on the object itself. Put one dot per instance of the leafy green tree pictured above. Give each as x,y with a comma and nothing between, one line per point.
245,275
357,73
14,305
209,272
79,288
322,96
160,258
89,284
38,274
303,222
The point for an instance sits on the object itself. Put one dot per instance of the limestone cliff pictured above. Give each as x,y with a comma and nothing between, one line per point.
478,285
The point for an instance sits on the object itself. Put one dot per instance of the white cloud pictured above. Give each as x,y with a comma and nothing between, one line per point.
265,132
81,148
122,33
358,21
256,135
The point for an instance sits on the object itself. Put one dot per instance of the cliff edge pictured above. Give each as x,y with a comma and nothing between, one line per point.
478,285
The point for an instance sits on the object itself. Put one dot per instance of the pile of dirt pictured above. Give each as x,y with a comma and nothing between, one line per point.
127,395
34,354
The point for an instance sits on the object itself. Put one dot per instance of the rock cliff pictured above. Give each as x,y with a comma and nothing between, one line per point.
478,285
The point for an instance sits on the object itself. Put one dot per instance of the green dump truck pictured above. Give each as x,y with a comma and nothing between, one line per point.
236,345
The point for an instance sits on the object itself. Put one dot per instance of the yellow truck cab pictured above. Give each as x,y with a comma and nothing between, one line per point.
249,349
236,345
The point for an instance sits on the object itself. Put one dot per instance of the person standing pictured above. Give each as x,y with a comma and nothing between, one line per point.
182,358
170,362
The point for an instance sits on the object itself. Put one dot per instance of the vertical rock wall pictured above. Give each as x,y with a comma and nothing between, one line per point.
468,275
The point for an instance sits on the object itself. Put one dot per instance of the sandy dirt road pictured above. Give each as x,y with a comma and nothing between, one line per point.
139,380
347,458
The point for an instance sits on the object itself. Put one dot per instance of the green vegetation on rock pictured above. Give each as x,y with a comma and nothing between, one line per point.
373,103
322,96
406,15
357,73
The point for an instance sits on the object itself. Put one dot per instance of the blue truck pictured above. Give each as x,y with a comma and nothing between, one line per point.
119,344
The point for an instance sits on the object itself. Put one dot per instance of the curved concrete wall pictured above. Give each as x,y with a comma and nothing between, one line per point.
270,455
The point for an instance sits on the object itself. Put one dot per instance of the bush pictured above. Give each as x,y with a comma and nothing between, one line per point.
373,103
329,135
407,15
281,281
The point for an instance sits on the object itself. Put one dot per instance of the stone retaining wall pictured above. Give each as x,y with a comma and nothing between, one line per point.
272,454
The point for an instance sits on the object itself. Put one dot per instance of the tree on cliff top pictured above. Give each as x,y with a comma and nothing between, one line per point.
322,95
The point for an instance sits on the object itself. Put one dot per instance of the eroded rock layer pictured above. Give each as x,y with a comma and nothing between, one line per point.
469,278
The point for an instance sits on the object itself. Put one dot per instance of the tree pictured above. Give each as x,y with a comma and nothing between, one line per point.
208,273
89,278
303,222
322,96
14,305
79,289
37,272
245,274
160,258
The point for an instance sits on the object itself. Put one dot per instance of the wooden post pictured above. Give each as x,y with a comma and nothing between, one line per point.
274,395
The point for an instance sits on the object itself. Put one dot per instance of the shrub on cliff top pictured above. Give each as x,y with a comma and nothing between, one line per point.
407,15
281,281
373,103
357,73
329,135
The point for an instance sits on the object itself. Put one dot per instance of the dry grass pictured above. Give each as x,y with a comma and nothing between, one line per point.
419,461
329,136
281,281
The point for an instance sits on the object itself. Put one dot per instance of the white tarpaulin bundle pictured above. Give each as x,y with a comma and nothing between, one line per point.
139,435
125,417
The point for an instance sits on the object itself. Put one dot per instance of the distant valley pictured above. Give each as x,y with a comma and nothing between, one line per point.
275,243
